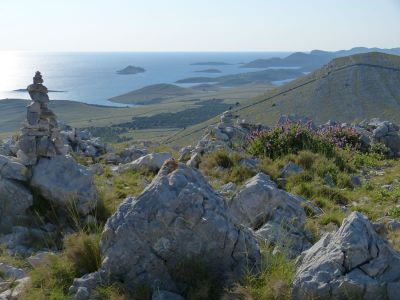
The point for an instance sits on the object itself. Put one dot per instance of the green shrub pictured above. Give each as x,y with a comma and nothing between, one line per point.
199,283
83,252
379,149
225,167
275,279
394,212
51,280
334,217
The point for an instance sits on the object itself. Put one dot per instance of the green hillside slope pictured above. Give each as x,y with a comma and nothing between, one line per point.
347,89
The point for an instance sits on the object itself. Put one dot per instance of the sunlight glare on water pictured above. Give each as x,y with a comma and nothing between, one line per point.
9,62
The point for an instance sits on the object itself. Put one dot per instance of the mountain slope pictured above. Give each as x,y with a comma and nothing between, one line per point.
347,89
314,59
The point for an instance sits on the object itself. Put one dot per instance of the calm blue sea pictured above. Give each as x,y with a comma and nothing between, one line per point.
91,77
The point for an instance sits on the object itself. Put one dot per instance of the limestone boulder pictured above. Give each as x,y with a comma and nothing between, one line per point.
178,220
62,181
15,200
277,216
352,263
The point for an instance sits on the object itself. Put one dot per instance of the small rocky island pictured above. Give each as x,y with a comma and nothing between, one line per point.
210,63
211,71
130,70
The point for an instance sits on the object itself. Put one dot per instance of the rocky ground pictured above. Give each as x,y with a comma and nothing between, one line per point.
298,211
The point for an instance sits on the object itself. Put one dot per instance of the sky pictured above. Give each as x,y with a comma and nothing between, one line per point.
202,25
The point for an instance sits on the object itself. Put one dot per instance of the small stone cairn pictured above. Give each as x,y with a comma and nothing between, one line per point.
40,135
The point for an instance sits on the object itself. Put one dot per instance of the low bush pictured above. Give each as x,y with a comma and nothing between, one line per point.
225,167
83,252
293,138
275,280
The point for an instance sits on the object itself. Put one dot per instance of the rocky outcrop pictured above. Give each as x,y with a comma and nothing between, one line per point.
384,132
63,182
223,135
179,219
277,216
40,135
353,263
372,132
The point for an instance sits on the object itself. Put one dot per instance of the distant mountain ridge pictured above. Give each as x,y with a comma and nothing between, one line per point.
314,59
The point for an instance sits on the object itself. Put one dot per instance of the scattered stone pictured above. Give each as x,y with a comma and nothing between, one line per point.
132,153
194,161
328,180
178,218
249,163
40,258
290,168
228,189
165,295
184,154
112,159
353,263
355,181
96,169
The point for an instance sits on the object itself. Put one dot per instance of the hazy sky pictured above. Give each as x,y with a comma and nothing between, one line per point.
201,25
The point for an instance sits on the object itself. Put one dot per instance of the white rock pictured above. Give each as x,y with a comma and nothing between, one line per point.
62,181
278,216
353,263
177,219
152,162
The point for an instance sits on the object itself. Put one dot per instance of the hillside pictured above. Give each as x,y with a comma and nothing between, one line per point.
314,59
347,89
152,94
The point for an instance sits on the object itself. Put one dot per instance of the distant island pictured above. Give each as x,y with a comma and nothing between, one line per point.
211,63
25,90
129,70
152,94
259,77
209,71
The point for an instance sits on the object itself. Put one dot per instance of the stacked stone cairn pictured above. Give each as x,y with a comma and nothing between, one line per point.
40,135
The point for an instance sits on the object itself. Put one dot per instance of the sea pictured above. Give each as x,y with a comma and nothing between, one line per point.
91,77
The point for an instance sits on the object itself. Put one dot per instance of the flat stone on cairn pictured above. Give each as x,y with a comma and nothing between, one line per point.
40,134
